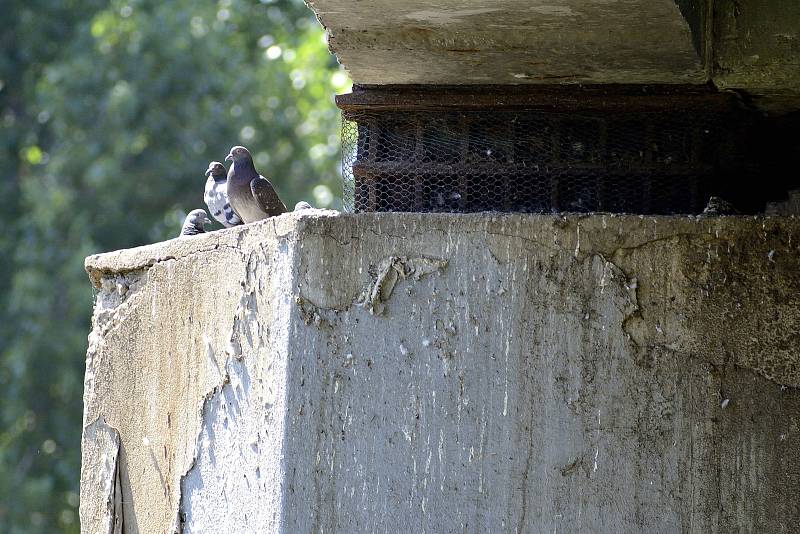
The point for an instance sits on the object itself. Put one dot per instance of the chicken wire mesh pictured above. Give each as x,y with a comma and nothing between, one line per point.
666,162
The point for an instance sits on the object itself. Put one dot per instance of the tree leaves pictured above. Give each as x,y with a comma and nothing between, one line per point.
109,114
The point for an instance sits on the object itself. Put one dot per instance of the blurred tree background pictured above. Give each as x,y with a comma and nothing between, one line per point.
109,114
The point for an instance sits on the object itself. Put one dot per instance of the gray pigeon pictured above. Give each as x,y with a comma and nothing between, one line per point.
250,194
719,206
303,205
216,195
195,223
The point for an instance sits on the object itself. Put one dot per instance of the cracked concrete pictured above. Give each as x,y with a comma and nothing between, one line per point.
503,373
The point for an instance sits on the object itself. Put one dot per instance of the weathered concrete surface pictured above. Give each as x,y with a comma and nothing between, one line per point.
510,41
756,47
450,373
101,487
745,45
790,206
168,325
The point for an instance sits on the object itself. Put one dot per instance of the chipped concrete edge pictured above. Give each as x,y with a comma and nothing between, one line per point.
141,258
101,499
179,516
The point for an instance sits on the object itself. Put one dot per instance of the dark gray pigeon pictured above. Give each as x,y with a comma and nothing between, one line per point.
195,223
303,205
216,195
719,206
250,194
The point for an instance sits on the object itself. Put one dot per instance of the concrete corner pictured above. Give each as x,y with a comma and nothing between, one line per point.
439,373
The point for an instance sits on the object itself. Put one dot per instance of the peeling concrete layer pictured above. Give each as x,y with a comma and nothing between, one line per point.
437,373
100,482
170,326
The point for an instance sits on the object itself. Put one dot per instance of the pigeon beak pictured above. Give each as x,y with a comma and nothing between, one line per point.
208,172
206,221
229,157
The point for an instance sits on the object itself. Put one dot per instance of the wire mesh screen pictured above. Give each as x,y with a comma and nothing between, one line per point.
534,161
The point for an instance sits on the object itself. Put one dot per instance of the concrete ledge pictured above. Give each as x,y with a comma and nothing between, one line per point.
510,41
442,373
747,46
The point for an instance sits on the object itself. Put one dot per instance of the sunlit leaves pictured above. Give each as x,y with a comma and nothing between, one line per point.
33,155
109,114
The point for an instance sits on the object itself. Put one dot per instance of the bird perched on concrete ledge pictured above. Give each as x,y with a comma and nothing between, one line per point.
251,195
216,195
719,206
303,205
195,223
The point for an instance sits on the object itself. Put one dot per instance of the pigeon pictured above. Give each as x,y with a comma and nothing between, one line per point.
251,195
719,206
195,223
216,195
303,205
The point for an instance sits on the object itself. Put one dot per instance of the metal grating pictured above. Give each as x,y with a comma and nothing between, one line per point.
649,156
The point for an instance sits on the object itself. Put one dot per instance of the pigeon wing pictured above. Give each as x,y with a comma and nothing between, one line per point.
191,230
266,197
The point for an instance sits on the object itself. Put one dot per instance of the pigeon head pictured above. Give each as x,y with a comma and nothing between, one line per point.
198,218
238,153
216,169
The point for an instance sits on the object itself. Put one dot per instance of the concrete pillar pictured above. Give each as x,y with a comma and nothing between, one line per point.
448,373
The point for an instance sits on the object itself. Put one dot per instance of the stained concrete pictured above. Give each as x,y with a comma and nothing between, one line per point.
750,46
510,41
756,48
449,373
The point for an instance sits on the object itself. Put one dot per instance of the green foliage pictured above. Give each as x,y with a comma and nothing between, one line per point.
109,115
